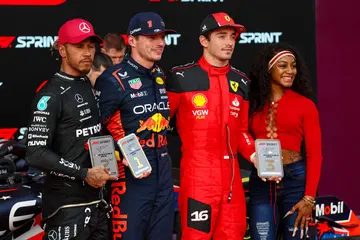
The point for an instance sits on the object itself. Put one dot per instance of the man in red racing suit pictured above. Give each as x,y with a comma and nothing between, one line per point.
210,101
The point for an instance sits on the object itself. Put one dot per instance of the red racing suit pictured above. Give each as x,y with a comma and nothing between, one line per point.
211,107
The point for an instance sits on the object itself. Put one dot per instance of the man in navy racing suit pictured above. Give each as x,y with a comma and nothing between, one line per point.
64,116
133,99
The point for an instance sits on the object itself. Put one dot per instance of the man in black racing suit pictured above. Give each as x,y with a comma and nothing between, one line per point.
65,115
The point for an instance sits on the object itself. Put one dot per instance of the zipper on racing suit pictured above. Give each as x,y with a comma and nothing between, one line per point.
231,161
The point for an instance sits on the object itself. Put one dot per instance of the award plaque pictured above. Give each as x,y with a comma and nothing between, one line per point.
269,159
134,154
102,153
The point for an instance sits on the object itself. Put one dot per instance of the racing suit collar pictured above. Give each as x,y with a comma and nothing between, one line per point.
212,70
68,77
138,67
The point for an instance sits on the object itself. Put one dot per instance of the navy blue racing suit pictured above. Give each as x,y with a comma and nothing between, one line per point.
133,99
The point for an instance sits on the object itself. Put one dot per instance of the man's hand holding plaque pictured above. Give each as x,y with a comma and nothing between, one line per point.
102,153
134,156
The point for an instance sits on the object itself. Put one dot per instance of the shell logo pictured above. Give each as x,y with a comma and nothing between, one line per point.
199,100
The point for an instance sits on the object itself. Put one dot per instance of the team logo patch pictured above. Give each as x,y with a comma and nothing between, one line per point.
123,75
159,80
199,100
135,83
234,85
79,98
42,104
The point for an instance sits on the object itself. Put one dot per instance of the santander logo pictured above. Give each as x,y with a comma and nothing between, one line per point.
31,2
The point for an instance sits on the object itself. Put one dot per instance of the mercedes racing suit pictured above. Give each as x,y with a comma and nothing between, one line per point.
211,107
64,116
133,99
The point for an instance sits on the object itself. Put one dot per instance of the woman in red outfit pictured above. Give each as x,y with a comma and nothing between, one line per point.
281,107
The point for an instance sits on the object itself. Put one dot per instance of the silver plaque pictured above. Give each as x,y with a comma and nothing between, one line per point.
269,159
102,153
134,154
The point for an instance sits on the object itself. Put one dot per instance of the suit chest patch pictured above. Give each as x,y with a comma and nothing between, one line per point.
234,106
200,109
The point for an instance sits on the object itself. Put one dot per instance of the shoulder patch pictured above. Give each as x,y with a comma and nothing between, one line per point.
122,73
187,78
239,83
118,77
240,73
183,66
111,77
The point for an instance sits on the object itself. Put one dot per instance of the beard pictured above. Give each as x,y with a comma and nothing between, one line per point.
80,67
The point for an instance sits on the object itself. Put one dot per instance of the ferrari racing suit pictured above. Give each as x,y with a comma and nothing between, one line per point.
211,108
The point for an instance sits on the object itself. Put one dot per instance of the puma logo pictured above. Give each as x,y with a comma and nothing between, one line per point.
180,73
244,81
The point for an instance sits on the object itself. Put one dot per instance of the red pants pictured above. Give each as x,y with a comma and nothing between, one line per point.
206,212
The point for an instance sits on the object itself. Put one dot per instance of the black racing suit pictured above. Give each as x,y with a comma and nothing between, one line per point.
64,116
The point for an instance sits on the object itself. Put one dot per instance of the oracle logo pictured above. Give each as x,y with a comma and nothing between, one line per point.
31,2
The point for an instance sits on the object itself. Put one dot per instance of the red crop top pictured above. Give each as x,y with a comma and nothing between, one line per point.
292,119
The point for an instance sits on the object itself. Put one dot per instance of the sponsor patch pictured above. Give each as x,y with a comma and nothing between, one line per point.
42,104
135,83
199,100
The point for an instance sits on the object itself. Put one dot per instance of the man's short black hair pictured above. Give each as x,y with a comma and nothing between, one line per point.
101,59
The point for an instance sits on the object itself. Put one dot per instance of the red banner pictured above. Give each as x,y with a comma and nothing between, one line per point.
31,2
7,133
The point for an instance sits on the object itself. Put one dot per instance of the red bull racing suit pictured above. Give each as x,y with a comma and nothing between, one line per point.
133,99
211,107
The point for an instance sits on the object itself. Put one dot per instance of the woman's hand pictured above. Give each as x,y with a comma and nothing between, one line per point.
304,208
253,159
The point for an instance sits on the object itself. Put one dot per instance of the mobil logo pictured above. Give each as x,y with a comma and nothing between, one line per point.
333,208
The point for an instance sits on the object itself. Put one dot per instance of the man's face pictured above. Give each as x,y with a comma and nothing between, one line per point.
79,56
116,55
149,47
221,44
